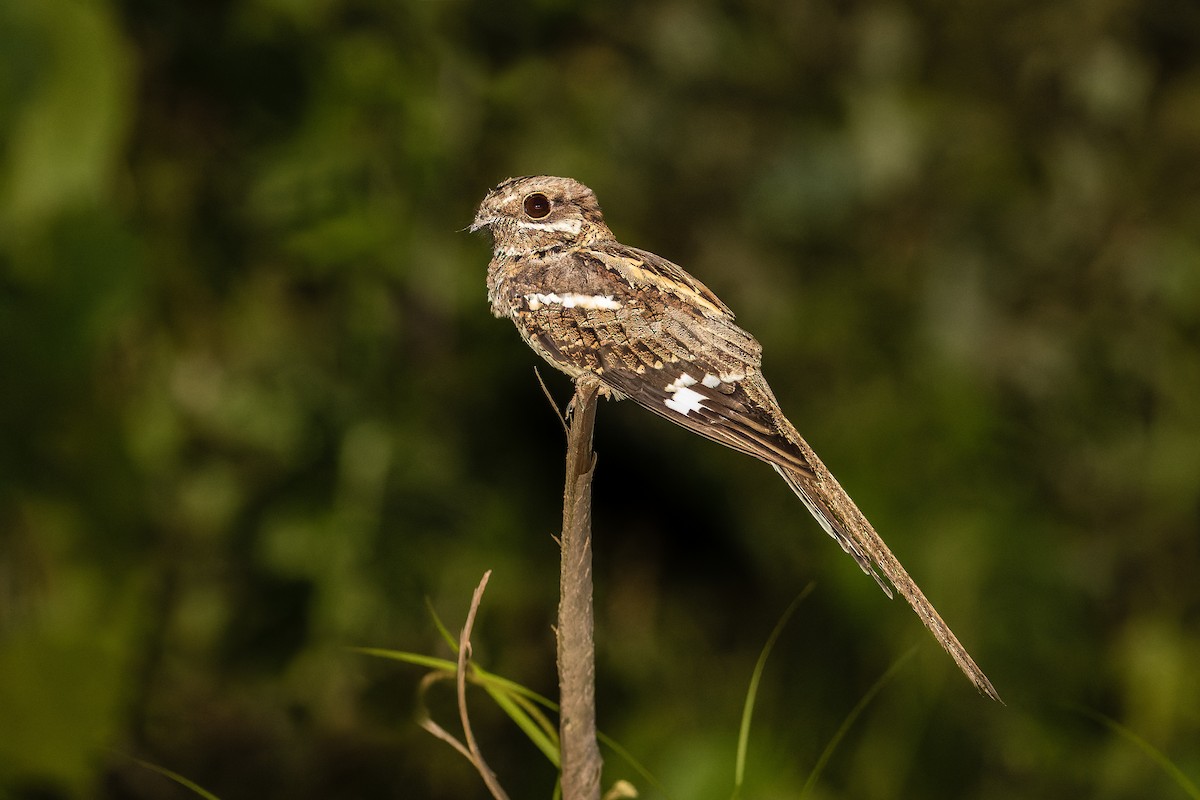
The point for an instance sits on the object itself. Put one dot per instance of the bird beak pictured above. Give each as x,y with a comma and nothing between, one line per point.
480,221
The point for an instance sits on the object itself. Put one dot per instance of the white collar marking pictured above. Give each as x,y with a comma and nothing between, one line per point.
571,226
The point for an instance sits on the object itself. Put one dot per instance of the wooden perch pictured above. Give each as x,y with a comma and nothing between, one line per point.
576,639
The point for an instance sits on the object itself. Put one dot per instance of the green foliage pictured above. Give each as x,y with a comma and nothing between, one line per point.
520,704
253,408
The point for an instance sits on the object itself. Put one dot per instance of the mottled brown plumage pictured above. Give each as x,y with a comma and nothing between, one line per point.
649,331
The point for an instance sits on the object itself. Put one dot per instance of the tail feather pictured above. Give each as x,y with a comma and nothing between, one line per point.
831,526
841,519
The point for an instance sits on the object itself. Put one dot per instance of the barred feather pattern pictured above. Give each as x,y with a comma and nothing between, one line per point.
650,332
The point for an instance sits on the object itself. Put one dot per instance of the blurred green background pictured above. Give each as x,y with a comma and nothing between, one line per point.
254,409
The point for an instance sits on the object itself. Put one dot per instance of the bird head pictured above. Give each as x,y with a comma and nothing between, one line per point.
537,212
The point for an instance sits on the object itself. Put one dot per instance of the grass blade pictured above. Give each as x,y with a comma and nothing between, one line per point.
1165,764
441,626
519,703
535,733
175,776
440,664
628,758
739,770
827,753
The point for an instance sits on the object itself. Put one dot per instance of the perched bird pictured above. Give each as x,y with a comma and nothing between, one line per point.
649,331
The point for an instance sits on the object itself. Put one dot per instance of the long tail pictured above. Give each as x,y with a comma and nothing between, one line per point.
841,519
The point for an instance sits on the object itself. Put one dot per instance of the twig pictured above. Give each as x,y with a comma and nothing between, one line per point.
470,750
576,640
546,391
464,653
426,721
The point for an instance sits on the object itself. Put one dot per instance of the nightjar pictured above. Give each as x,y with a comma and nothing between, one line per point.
649,331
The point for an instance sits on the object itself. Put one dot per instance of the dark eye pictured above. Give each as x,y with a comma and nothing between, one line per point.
537,205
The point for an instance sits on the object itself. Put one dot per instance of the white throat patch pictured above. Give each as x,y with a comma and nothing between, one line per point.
571,226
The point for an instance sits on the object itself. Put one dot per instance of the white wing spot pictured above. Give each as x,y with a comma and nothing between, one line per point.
711,381
682,382
568,300
685,400
682,398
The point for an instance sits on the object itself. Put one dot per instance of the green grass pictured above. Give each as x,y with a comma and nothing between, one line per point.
1167,765
525,707
177,778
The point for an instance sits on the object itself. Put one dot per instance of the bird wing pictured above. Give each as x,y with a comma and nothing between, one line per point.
740,412
701,371
653,333
706,398
642,269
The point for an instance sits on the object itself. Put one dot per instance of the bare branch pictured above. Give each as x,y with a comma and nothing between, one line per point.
470,750
576,639
464,653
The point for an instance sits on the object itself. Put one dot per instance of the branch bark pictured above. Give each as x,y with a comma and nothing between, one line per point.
576,640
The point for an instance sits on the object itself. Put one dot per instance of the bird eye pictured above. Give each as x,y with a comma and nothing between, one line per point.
537,205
